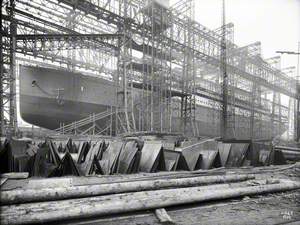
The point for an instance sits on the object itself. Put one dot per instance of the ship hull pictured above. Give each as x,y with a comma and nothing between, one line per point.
46,113
50,98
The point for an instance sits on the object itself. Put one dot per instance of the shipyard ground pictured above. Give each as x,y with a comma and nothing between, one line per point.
273,208
280,208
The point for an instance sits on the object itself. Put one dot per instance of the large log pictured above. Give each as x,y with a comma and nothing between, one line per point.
96,179
129,202
15,175
65,204
262,169
297,150
116,178
49,194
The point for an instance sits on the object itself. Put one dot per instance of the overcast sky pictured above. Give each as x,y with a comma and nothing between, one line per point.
275,23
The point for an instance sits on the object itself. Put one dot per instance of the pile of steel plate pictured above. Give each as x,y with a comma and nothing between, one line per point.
52,158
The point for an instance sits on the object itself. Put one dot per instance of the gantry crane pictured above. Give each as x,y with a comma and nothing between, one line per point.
297,114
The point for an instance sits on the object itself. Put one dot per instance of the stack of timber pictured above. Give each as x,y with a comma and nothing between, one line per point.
290,153
31,200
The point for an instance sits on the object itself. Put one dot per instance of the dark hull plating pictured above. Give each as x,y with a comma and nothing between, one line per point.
49,97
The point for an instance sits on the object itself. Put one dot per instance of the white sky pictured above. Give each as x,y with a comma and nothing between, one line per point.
275,23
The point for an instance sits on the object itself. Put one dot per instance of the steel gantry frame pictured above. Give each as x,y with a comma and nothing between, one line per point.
8,114
172,60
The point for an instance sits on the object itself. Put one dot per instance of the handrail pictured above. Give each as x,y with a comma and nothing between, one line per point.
90,119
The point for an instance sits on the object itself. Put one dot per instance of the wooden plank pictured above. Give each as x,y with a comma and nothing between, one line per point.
163,216
3,180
